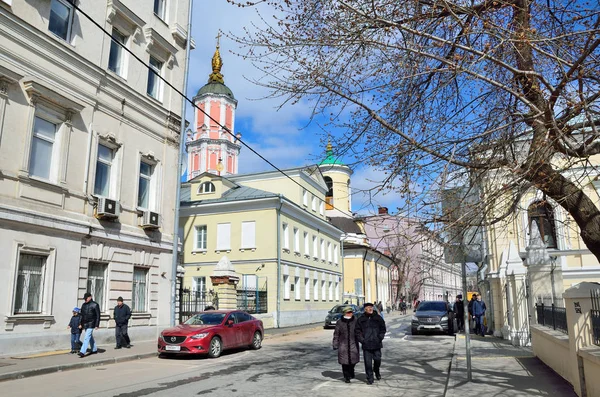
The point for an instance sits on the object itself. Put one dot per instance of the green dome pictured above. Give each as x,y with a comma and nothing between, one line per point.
330,159
216,88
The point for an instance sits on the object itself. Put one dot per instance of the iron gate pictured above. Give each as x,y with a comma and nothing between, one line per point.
252,294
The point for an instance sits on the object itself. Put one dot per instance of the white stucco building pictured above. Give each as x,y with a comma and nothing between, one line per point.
88,164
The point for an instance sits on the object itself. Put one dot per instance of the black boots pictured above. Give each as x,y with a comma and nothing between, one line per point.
377,364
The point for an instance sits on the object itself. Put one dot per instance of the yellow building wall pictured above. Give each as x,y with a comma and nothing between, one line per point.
353,269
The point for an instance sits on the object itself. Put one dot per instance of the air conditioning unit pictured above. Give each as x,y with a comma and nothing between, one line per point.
150,220
107,208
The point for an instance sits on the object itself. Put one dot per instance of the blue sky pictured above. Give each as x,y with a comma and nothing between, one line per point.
282,135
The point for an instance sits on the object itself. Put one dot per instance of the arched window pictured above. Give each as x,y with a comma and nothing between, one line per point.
329,194
207,187
542,214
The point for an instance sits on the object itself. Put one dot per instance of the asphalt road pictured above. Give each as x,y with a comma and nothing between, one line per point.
294,365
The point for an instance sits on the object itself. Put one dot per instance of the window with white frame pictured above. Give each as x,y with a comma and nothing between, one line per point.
321,207
30,284
60,20
337,290
330,290
200,237
329,252
199,285
314,203
306,244
286,286
223,236
139,290
207,187
117,56
297,288
96,283
316,288
305,197
154,88
104,162
145,185
44,149
296,240
249,234
160,8
323,289
335,254
307,287
286,237
315,247
322,249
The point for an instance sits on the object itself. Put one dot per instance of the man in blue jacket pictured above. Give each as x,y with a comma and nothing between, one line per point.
122,316
479,313
370,331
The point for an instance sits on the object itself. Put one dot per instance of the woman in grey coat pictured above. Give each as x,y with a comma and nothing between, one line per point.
344,341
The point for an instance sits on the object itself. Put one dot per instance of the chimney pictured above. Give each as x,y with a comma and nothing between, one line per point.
383,210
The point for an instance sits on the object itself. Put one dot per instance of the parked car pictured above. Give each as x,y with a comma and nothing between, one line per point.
212,332
336,313
433,316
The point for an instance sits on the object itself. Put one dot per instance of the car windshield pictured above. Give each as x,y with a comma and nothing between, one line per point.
433,306
338,309
206,319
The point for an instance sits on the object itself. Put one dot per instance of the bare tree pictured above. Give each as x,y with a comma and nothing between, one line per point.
503,93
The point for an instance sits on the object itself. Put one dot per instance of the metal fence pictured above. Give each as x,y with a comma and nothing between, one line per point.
552,316
252,294
595,315
192,302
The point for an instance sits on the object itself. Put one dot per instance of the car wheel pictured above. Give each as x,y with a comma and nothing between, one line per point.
215,348
414,331
256,341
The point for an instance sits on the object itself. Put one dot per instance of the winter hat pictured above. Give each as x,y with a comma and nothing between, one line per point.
120,299
368,304
76,309
347,310
86,295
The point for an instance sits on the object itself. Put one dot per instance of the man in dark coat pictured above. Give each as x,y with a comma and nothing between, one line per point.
370,331
344,341
459,311
90,320
122,316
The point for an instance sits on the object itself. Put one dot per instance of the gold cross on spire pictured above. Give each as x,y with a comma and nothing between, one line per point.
218,39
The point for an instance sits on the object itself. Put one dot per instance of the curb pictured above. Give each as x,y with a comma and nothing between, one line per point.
67,367
295,332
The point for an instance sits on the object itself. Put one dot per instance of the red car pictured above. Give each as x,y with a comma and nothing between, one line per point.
211,332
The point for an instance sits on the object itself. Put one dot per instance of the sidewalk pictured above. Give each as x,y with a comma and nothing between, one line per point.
500,369
49,362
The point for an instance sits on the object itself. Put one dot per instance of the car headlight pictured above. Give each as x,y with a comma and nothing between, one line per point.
445,318
200,336
415,318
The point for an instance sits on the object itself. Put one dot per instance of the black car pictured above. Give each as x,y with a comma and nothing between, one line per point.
433,316
336,313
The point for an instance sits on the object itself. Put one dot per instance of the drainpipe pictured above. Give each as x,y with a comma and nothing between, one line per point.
279,260
364,277
342,239
179,169
89,155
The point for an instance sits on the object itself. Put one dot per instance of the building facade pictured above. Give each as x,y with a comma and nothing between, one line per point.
275,234
88,164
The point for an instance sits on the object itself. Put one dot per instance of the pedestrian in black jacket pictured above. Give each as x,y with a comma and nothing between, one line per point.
370,331
459,311
90,320
344,341
122,316
75,327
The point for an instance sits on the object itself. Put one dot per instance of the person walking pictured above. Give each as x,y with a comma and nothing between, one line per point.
471,316
90,320
459,311
344,341
122,315
75,327
479,313
370,331
379,308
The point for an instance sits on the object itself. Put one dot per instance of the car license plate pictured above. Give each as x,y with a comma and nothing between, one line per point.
429,326
173,348
333,322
